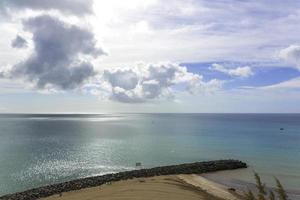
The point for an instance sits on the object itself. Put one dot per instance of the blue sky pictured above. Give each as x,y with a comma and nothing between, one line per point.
95,56
263,76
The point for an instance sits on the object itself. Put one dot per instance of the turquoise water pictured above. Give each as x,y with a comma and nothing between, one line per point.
37,150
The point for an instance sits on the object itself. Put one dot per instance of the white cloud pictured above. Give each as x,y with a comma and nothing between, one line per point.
195,30
239,71
285,85
291,55
126,79
152,31
145,82
181,31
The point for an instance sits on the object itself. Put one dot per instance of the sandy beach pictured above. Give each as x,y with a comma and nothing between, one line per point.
175,187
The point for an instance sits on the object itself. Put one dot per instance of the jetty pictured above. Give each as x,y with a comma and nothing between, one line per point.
188,168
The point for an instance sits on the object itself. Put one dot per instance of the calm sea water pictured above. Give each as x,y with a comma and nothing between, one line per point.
37,150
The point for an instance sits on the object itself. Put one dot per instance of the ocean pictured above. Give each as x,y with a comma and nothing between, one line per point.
42,149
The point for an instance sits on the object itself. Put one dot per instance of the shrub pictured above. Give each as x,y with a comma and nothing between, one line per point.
262,191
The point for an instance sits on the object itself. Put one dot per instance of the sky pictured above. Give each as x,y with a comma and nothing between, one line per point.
97,56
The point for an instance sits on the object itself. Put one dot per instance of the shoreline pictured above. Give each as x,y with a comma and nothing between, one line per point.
175,187
229,180
189,168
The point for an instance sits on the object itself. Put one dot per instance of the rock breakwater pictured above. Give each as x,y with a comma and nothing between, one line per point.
188,168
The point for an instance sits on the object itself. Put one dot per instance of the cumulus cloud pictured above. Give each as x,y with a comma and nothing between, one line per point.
126,79
153,81
291,55
19,42
55,61
75,7
239,71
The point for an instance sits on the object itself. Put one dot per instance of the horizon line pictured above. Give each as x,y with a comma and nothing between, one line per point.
87,113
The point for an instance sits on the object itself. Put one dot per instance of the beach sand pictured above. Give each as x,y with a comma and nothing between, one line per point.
175,187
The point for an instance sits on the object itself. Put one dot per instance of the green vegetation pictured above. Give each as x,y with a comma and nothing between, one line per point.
263,194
